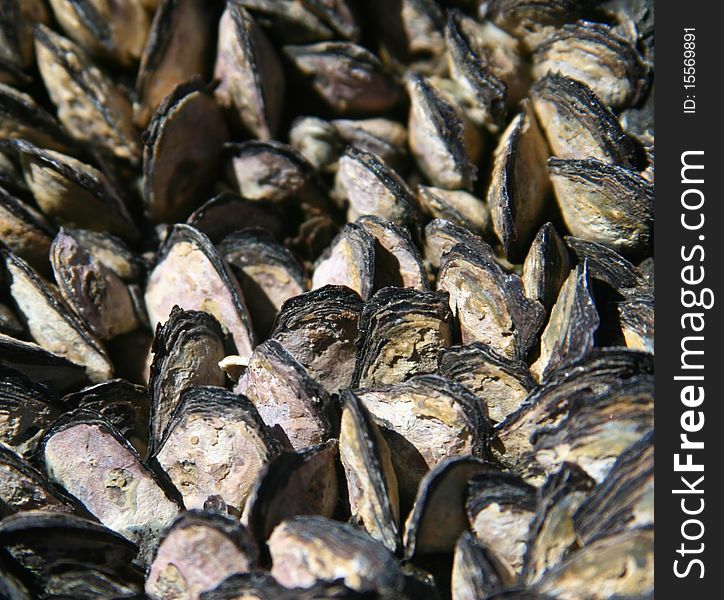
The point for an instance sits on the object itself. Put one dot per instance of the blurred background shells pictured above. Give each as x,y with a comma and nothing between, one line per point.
306,299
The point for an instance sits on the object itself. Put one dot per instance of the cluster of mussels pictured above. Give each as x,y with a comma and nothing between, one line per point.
307,299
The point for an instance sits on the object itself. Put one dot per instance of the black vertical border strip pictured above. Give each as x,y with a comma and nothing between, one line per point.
675,133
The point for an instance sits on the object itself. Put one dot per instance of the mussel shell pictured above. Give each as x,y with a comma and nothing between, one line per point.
520,186
250,73
40,365
477,571
267,272
441,235
457,206
177,49
25,232
187,350
397,259
569,333
115,31
111,252
175,172
607,266
371,479
546,266
74,193
349,261
308,549
319,328
38,539
291,484
23,487
286,396
604,203
552,535
437,137
401,331
522,16
226,213
120,491
125,405
624,499
23,118
596,55
95,293
621,564
489,303
90,106
81,581
289,22
40,306
438,515
337,14
197,553
191,274
577,124
637,321
26,410
499,383
17,19
317,140
372,188
349,78
382,137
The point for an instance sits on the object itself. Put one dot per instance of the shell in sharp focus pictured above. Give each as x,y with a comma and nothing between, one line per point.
250,73
426,419
604,203
186,353
441,235
25,232
26,410
69,453
125,405
308,549
597,56
500,383
500,507
267,272
175,173
621,564
215,444
95,293
552,535
40,365
577,124
111,252
24,119
319,329
177,49
349,78
74,193
520,185
191,274
489,303
372,188
438,516
400,334
371,480
76,86
637,321
51,324
437,134
286,396
227,213
349,261
112,30
457,206
300,483
595,380
197,553
397,259
625,498
569,333
546,266
477,571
